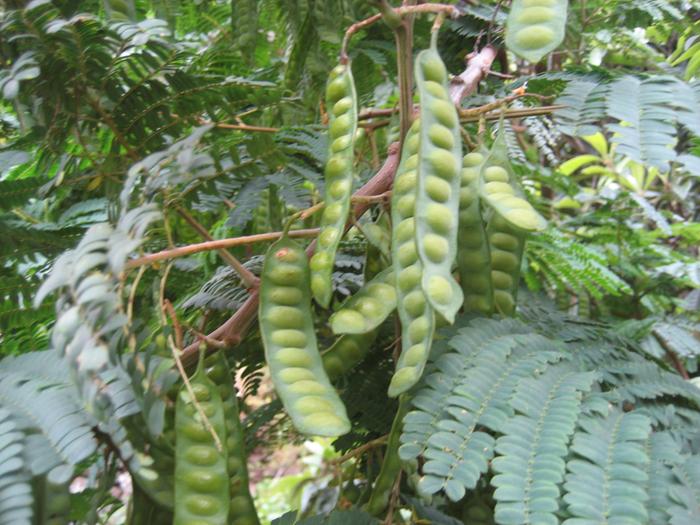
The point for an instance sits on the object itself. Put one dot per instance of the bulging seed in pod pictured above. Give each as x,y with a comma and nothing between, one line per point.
406,182
443,163
339,188
415,355
407,253
437,188
504,241
414,303
469,175
495,174
312,405
307,387
286,275
368,307
341,144
409,277
320,261
342,106
439,289
332,213
472,159
433,69
439,218
441,136
336,90
498,187
341,125
202,455
444,112
294,374
504,261
288,338
328,236
534,37
406,205
418,329
336,167
406,229
435,89
348,321
293,357
501,280
436,247
285,316
202,505
535,15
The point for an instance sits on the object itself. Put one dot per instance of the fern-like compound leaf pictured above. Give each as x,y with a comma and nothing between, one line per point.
533,448
606,483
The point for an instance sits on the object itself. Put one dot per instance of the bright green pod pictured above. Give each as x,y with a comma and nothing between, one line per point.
368,308
505,197
412,303
195,500
536,27
342,126
391,466
438,188
346,353
241,507
507,245
297,349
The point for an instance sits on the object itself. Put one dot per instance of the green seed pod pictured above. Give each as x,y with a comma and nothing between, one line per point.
412,303
201,488
473,257
391,466
536,27
507,244
505,197
368,308
241,507
378,254
346,353
437,193
289,351
341,96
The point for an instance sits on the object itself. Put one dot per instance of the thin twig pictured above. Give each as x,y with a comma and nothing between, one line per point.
240,126
191,249
249,279
186,380
361,449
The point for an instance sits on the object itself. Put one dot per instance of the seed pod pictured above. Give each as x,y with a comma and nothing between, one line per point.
391,466
346,353
498,190
291,352
241,506
201,487
342,105
416,315
437,194
507,244
473,257
368,308
536,27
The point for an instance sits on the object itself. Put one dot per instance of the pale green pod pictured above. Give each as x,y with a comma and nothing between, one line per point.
412,304
292,353
536,27
473,256
346,353
505,197
507,245
341,100
201,478
368,308
437,193
241,508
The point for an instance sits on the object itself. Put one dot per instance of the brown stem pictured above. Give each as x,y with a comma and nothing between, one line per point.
191,249
243,127
249,279
478,65
675,361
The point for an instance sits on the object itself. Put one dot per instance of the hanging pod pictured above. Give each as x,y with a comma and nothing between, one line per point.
291,351
416,315
536,27
438,185
341,101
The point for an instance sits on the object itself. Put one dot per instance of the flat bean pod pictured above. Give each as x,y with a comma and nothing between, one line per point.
378,245
201,478
437,194
473,257
368,308
241,507
507,244
286,326
342,105
415,312
499,191
536,27
346,353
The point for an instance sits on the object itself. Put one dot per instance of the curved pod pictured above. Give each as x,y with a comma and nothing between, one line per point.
346,353
536,27
437,193
368,308
292,353
416,315
341,101
507,245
